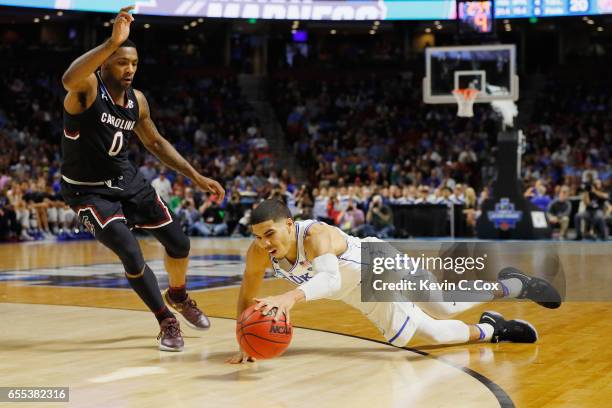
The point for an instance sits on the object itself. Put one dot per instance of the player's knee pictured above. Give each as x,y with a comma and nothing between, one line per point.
179,247
132,258
120,240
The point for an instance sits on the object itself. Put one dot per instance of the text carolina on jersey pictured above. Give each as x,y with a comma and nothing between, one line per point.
122,124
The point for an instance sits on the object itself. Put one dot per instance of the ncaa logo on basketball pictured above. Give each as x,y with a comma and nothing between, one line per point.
280,329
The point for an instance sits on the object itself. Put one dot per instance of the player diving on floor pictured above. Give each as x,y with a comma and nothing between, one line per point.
326,264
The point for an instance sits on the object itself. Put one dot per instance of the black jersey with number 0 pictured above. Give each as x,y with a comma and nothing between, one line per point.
94,145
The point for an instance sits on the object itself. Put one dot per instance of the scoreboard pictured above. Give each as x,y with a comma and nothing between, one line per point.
545,8
337,9
475,15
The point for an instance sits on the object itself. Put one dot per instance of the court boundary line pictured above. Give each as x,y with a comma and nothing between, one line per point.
498,392
502,397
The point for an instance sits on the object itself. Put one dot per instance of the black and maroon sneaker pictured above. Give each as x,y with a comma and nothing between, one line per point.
188,308
170,336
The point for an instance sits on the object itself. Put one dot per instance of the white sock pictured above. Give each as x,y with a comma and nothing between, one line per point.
512,287
486,331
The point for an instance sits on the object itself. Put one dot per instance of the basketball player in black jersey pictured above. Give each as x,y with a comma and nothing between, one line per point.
101,111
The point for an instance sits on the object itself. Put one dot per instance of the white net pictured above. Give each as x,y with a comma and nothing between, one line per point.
465,101
507,109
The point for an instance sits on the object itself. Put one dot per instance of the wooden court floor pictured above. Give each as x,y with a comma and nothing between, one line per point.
570,366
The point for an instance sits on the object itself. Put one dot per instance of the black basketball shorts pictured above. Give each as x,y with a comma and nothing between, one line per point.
135,203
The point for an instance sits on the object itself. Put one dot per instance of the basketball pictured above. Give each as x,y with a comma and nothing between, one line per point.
260,336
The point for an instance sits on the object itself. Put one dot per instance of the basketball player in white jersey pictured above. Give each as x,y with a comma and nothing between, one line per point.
325,263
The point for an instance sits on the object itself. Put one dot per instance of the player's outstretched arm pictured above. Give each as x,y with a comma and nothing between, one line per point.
256,263
79,77
322,244
164,151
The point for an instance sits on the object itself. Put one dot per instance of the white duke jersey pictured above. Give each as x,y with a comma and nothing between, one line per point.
301,271
397,321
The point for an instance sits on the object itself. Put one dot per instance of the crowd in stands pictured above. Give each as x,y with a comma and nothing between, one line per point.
366,143
374,130
204,117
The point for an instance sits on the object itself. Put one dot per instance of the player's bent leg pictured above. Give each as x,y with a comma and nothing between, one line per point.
118,238
176,258
492,327
400,322
174,240
176,261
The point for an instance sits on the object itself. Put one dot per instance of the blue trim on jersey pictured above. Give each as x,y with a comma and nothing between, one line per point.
306,232
308,227
400,330
297,258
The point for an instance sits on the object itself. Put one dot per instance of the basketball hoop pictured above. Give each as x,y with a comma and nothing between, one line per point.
465,101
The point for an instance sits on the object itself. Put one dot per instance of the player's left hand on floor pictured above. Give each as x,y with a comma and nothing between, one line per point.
240,358
282,303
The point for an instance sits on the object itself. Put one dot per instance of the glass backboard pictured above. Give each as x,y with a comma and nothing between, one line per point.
489,68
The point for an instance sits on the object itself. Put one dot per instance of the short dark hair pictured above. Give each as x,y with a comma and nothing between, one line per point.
270,210
127,43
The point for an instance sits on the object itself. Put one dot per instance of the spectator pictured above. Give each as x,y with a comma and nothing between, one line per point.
212,223
591,213
537,195
333,213
233,213
470,209
305,203
162,186
21,170
423,196
351,219
379,219
9,227
187,212
559,211
148,169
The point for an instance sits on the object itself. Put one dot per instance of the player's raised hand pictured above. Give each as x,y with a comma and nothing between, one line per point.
211,185
240,358
121,28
